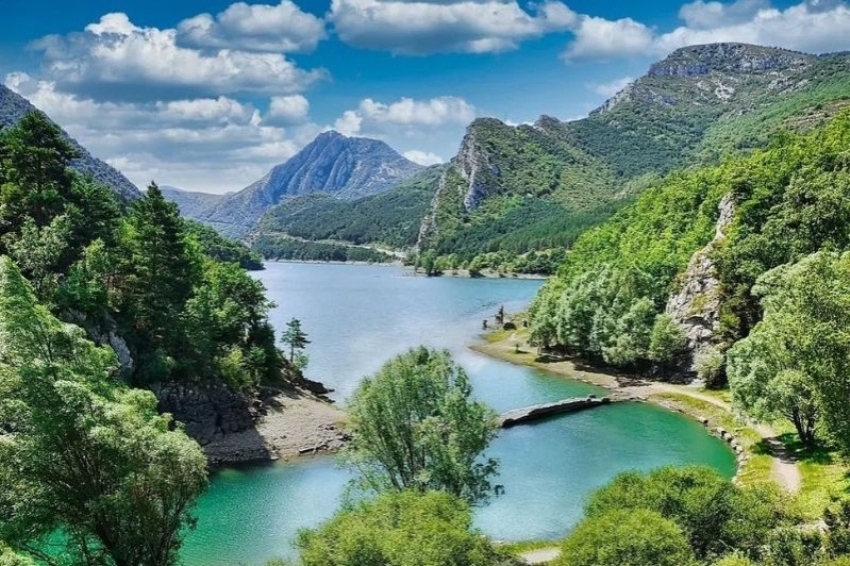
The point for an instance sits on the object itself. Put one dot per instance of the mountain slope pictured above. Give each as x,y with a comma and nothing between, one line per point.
391,218
13,107
189,203
692,248
345,167
554,179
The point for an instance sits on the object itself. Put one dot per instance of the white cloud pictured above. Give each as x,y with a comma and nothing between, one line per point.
425,158
254,27
349,123
406,115
709,15
611,88
209,144
814,26
598,38
116,52
289,109
421,27
407,111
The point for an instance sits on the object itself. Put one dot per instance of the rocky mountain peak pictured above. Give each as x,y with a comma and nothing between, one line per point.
699,60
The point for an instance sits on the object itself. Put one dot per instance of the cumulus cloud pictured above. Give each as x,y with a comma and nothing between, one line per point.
420,27
425,158
404,115
814,26
610,88
254,27
289,109
116,52
210,144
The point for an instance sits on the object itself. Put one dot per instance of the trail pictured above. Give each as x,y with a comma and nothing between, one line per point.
540,556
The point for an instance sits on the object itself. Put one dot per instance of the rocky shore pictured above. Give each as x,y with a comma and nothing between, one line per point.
276,424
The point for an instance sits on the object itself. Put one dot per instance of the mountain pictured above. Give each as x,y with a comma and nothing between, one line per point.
511,190
13,107
190,203
334,164
391,218
689,253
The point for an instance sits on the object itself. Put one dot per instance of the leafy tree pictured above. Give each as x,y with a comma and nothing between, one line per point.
400,529
734,560
795,362
715,514
627,538
414,426
667,342
35,180
87,457
160,272
295,338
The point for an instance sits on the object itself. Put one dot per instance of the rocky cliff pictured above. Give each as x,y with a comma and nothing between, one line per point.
696,306
13,107
543,180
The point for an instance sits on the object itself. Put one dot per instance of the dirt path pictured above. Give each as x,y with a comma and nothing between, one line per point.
785,470
540,556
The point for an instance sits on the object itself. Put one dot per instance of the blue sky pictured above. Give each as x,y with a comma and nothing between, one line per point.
207,95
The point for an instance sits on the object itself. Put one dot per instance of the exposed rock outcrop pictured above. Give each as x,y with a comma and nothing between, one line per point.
105,333
477,169
696,306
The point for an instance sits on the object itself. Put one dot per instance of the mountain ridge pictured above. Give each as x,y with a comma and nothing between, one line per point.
345,167
13,107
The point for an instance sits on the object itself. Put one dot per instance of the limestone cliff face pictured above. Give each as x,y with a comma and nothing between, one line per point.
475,166
696,306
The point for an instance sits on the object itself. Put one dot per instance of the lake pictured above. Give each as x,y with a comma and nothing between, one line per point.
357,318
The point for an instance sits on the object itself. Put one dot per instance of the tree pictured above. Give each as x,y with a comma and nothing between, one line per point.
627,538
414,426
796,362
667,342
87,457
400,529
295,338
160,271
714,513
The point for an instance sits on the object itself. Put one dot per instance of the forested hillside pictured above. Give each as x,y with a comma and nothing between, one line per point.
536,186
741,237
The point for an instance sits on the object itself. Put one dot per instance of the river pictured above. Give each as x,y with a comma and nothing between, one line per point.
358,317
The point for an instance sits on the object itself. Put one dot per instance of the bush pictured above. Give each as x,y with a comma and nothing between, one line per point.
627,538
400,529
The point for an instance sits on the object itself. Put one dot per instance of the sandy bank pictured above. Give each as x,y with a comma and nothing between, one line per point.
296,423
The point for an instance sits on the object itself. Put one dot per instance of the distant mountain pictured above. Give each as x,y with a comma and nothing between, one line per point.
513,190
13,107
333,164
190,203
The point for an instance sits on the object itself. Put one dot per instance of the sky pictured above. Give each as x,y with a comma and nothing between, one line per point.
207,95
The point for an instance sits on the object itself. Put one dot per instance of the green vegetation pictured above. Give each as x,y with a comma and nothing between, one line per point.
627,538
400,529
280,247
391,219
788,203
221,249
539,187
297,340
91,473
87,457
414,426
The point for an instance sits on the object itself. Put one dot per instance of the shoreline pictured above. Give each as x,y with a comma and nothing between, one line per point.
459,273
295,424
713,412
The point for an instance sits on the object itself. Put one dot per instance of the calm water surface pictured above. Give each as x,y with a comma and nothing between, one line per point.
360,316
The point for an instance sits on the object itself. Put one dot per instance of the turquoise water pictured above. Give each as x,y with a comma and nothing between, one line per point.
357,318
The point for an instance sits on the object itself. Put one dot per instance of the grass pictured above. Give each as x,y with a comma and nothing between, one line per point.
516,548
